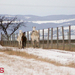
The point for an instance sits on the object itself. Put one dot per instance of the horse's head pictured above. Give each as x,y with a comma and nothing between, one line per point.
34,28
20,31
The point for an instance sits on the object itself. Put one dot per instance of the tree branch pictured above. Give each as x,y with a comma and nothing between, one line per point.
10,24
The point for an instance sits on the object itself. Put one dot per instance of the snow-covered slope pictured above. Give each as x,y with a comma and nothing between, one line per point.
42,22
17,65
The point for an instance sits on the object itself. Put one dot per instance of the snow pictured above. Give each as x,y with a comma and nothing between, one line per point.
60,56
17,65
53,21
27,17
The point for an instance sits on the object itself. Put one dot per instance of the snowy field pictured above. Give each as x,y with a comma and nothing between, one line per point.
17,65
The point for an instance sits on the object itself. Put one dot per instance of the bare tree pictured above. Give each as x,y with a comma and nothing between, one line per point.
10,24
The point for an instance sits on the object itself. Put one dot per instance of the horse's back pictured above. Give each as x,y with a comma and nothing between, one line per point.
34,34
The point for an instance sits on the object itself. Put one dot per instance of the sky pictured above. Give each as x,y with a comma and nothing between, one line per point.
37,7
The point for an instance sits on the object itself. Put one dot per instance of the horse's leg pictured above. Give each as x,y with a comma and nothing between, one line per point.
32,42
23,44
19,44
36,42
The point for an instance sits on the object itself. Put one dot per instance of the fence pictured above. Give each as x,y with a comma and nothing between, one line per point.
11,42
54,38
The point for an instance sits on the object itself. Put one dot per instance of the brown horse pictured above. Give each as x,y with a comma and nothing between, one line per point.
24,39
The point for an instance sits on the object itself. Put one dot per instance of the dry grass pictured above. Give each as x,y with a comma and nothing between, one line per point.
60,47
71,64
31,56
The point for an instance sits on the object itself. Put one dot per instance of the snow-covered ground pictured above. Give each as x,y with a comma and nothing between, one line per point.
53,21
17,65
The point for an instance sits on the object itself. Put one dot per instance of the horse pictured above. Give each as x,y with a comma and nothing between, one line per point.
19,38
35,38
24,40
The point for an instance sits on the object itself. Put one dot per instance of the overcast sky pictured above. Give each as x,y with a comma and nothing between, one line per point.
37,7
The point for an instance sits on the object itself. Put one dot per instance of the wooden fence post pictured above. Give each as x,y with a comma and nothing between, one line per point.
28,37
69,37
51,37
39,37
57,38
13,37
48,39
16,38
1,36
43,38
63,37
1,39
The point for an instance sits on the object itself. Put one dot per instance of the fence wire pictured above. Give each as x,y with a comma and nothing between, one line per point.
52,38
